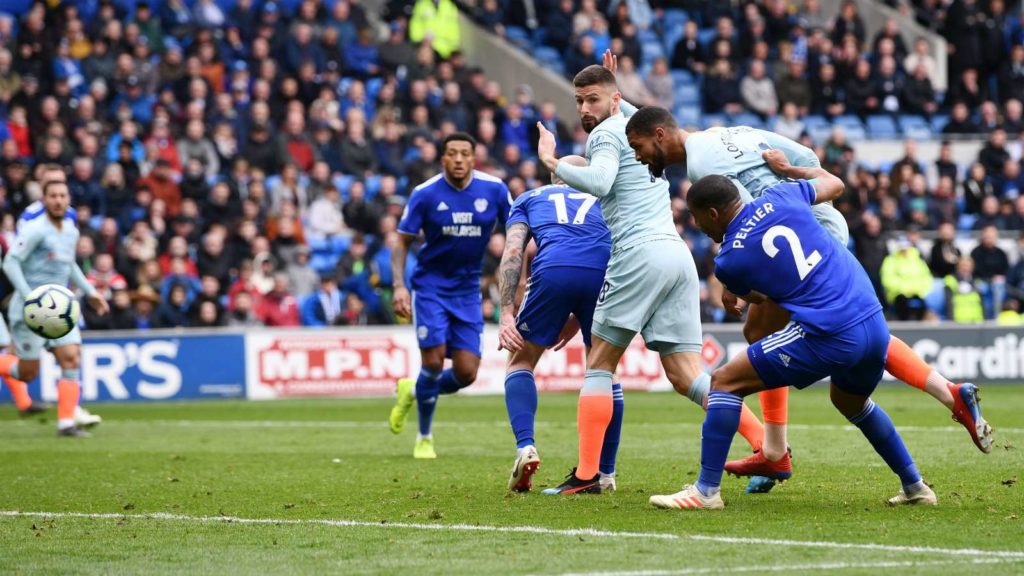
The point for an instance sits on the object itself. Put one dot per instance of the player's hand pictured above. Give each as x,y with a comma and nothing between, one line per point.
546,147
610,61
509,337
572,326
401,302
99,303
776,160
732,304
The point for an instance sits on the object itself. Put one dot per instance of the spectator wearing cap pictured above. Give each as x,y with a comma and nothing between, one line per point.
396,53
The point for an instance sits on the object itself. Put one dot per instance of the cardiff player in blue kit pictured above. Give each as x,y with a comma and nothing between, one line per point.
457,211
774,249
573,247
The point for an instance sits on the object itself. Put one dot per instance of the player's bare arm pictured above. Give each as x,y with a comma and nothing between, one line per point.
401,300
510,271
826,185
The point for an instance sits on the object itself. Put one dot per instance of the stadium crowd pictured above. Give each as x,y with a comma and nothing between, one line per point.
245,163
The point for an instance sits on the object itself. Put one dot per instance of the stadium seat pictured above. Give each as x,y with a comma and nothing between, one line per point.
687,94
939,122
323,263
343,182
520,37
746,119
812,120
651,51
682,77
372,186
688,115
670,38
883,127
915,127
712,120
674,18
340,244
318,244
645,36
820,132
705,36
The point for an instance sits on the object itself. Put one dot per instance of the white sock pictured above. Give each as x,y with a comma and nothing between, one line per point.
65,423
914,488
520,451
938,387
603,475
422,437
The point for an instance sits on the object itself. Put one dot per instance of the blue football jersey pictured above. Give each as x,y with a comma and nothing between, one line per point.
567,225
776,247
457,225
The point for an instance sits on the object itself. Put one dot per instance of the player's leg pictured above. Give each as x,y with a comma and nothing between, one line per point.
426,392
763,320
18,388
465,332
961,399
730,384
431,322
673,330
69,389
521,404
73,341
851,388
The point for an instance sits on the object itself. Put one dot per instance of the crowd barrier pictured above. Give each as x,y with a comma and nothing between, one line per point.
266,364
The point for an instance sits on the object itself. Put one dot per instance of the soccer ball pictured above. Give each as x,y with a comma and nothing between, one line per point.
51,311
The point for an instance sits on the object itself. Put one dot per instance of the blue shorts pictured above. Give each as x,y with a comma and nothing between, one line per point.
551,295
443,319
854,358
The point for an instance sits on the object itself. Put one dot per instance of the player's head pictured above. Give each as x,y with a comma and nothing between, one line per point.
571,160
457,158
56,199
648,132
713,200
50,172
597,96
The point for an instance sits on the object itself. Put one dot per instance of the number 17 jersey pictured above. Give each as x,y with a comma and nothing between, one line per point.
567,225
776,247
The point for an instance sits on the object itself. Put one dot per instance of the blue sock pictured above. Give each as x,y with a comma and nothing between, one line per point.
610,448
426,398
878,428
521,403
720,425
449,383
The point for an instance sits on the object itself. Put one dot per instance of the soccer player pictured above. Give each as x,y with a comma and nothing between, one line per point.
573,246
44,253
736,153
456,210
651,284
775,248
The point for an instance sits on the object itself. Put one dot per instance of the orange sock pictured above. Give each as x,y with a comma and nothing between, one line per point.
775,405
905,365
19,391
751,428
7,363
67,398
592,417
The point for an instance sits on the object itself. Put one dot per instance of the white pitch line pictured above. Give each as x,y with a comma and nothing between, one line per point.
574,532
796,567
355,424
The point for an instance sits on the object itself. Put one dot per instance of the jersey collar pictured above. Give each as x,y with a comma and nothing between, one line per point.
453,187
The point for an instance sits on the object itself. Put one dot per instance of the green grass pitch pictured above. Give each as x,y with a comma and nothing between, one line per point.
323,487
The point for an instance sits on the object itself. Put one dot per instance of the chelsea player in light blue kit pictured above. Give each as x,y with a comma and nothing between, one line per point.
44,253
457,211
774,249
573,247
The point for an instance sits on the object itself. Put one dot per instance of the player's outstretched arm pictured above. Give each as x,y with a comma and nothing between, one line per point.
509,273
611,63
827,187
99,304
401,300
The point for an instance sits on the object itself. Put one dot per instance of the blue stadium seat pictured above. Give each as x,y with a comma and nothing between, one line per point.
820,132
882,127
340,244
645,36
651,51
688,115
682,77
372,186
318,244
705,36
343,182
674,18
711,120
518,36
373,88
670,38
747,119
323,263
812,120
915,127
687,94
939,122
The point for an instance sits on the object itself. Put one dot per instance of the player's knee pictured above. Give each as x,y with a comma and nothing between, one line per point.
27,372
433,364
752,332
466,375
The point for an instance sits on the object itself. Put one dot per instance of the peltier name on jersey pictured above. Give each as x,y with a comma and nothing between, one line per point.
462,226
748,226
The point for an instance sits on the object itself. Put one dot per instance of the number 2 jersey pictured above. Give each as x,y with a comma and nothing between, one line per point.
775,246
566,224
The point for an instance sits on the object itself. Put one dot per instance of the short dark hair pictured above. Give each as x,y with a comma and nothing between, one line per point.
712,191
646,119
593,75
457,137
53,183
